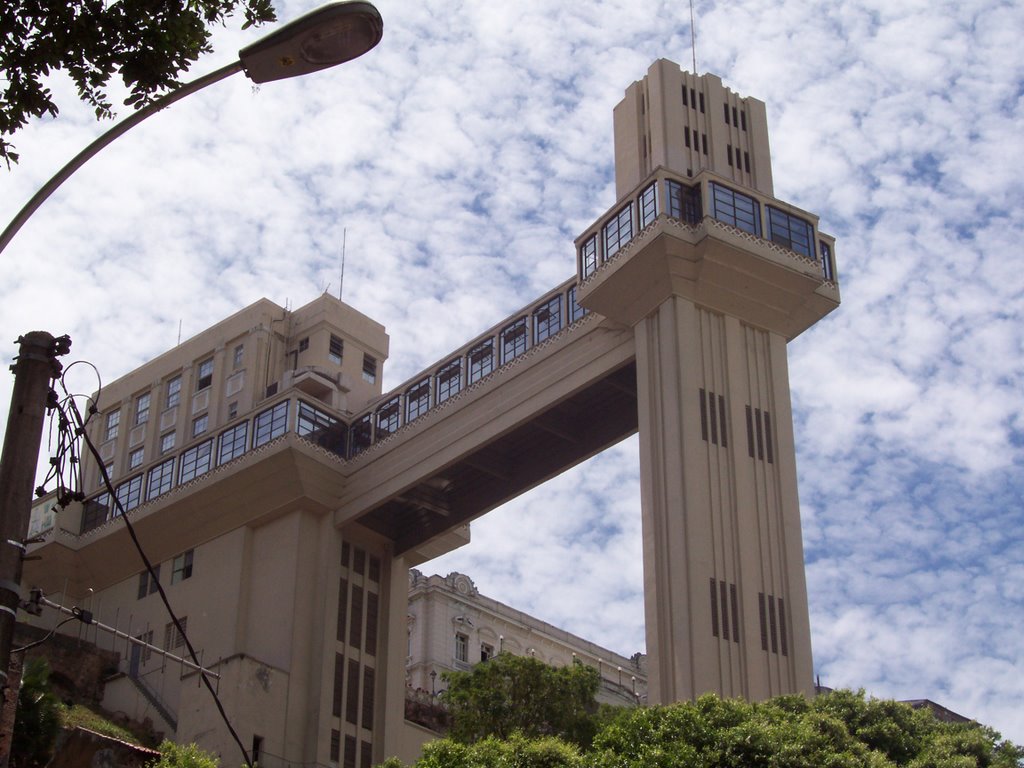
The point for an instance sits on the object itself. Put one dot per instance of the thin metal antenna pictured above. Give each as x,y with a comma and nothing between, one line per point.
341,283
179,332
693,39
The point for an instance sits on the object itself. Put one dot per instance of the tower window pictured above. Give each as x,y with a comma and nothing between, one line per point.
685,102
728,153
701,95
735,208
790,232
513,340
369,369
335,348
113,422
204,377
142,408
725,108
618,231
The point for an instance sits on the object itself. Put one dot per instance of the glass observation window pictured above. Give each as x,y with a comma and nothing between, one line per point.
513,340
575,310
790,232
389,417
618,231
362,434
827,267
448,380
196,461
417,399
271,423
233,442
648,205
735,208
129,493
588,256
160,479
684,202
547,319
481,360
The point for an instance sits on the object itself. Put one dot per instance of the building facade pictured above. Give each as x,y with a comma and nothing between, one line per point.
285,497
452,627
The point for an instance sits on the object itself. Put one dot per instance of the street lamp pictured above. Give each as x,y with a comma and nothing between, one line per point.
330,35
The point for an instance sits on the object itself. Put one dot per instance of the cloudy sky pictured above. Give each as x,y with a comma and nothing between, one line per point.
464,154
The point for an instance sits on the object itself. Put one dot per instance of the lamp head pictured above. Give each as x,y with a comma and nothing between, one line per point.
332,34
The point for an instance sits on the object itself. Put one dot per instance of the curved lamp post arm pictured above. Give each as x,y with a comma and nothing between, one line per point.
124,125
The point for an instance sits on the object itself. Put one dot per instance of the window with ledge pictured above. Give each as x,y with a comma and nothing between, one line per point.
486,651
513,340
232,409
618,231
204,375
369,369
684,202
136,457
181,567
232,442
417,399
196,461
238,356
335,349
173,391
735,208
547,319
588,256
142,408
790,232
167,442
270,424
113,424
461,648
199,424
147,582
448,380
481,360
648,205
160,479
129,493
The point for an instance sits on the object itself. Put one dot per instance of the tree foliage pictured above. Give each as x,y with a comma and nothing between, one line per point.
147,42
183,756
37,722
842,729
510,694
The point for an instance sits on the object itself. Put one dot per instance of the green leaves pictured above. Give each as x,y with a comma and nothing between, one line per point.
148,43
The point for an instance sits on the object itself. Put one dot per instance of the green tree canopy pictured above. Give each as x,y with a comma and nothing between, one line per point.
37,722
183,756
147,42
510,694
842,729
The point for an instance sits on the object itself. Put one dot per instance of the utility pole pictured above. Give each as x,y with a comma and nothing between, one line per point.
34,368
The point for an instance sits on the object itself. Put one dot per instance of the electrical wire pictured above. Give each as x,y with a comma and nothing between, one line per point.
49,635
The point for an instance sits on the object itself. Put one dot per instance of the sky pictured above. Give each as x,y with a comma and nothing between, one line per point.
459,159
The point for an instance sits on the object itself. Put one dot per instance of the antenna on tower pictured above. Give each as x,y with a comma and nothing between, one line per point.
693,39
341,283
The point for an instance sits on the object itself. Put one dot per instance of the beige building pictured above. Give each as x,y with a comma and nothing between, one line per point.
285,498
452,627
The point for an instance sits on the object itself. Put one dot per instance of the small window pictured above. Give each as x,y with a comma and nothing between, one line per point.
648,205
725,107
200,424
335,349
790,232
232,409
237,356
575,310
618,231
109,468
147,583
113,422
728,154
369,369
204,376
181,567
701,97
389,417
743,120
486,652
826,260
684,202
142,409
172,637
136,457
173,391
167,442
304,344
588,256
735,208
129,493
461,647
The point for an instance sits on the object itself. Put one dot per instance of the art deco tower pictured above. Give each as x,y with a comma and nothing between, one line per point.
715,276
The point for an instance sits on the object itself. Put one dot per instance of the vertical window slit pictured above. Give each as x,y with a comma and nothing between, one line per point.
714,609
350,752
368,680
735,122
725,610
728,154
685,103
355,635
726,108
760,434
735,613
714,418
352,694
764,622
342,609
771,624
366,755
721,419
768,437
782,630
746,162
686,137
703,416
704,143
750,433
371,623
339,682
701,97
693,98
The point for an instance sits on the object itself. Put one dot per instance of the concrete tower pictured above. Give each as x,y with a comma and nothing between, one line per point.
714,275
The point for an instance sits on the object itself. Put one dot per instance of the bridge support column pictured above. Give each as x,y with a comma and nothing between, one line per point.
725,597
